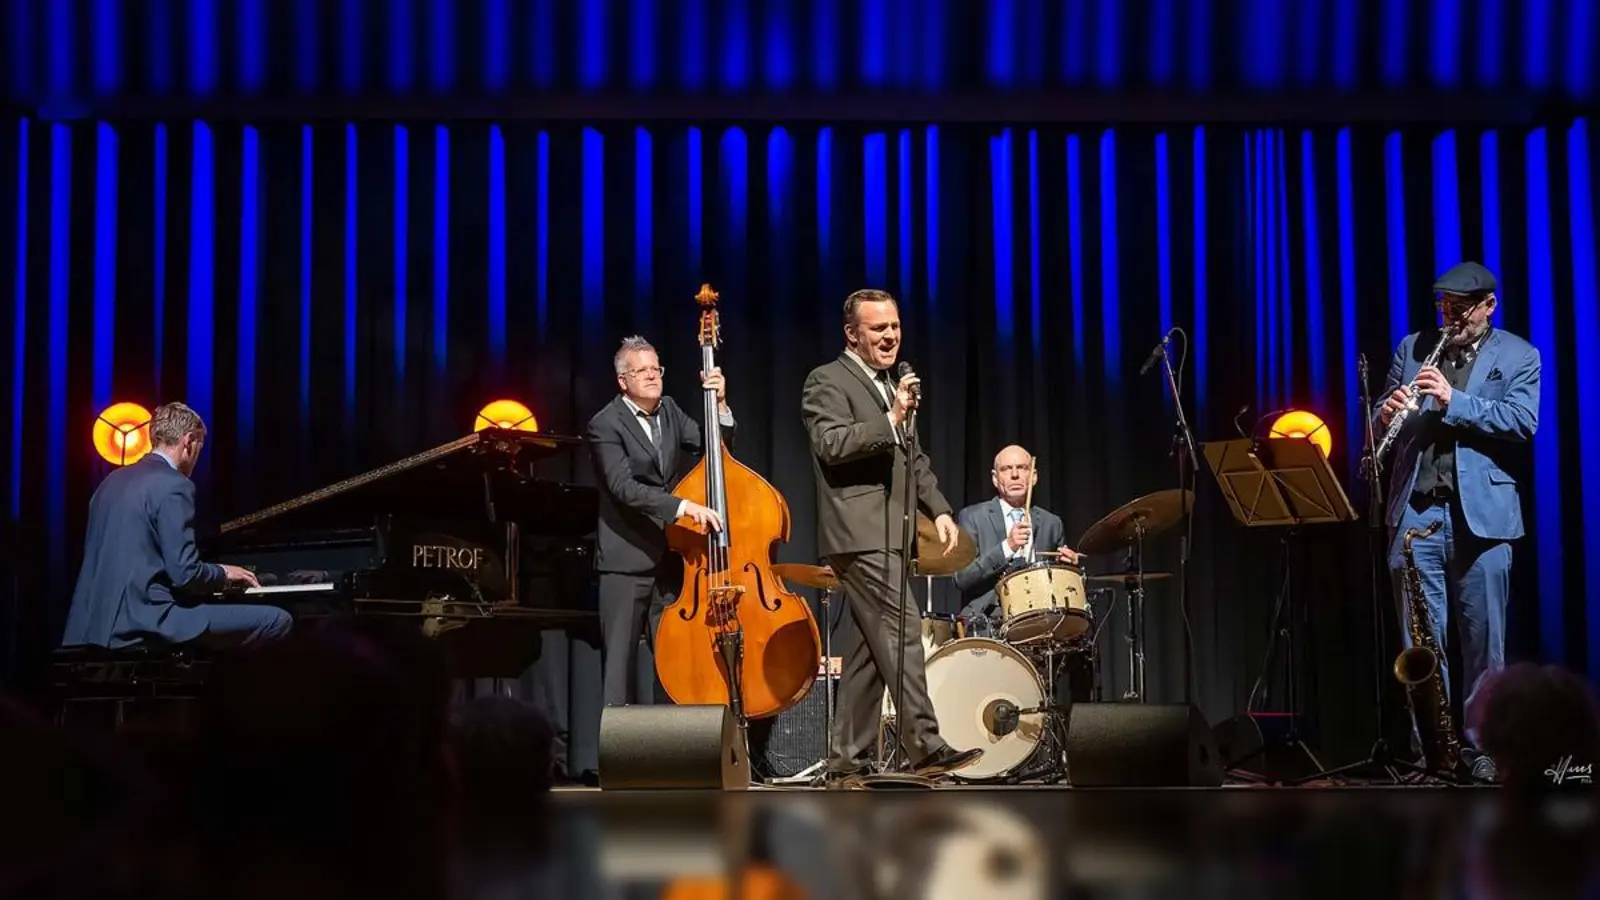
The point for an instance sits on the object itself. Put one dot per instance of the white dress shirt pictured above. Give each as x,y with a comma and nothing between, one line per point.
873,375
725,419
1006,510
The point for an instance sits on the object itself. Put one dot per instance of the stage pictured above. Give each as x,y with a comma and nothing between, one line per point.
1051,842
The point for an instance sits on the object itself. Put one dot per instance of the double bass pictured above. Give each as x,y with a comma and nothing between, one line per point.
735,635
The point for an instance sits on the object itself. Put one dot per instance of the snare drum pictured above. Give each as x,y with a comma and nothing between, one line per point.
1044,602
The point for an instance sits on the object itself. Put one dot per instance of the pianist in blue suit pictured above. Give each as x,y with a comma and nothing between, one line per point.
141,570
1454,462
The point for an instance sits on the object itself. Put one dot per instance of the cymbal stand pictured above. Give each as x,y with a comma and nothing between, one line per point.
1135,638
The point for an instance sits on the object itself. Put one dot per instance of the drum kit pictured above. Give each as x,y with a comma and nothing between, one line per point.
995,688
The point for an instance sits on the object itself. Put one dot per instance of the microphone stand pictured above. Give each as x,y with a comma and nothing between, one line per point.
890,777
1381,756
908,537
1188,465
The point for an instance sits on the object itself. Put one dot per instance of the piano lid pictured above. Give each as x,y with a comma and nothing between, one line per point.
457,480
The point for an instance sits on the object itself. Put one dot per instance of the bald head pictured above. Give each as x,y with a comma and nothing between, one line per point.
1013,474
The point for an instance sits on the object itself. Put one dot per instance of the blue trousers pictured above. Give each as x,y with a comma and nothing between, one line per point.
1466,581
232,625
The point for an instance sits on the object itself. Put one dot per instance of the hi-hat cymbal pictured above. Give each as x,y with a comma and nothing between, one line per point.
820,577
1154,513
931,558
1128,576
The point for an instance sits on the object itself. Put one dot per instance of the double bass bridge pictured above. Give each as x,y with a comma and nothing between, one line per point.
722,605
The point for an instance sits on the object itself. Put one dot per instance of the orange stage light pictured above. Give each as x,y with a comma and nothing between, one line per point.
506,414
122,433
1301,424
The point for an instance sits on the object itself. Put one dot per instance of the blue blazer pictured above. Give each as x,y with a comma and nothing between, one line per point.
1496,416
139,553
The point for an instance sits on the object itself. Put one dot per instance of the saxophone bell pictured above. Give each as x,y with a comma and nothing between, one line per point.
1417,667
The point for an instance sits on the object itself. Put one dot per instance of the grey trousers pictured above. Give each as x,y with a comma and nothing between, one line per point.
870,581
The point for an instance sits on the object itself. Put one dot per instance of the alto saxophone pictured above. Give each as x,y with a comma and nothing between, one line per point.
1417,667
1412,403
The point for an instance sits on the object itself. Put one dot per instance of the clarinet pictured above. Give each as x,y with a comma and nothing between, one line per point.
1412,404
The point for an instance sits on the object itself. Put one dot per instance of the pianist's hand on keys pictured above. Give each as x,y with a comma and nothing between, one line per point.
240,576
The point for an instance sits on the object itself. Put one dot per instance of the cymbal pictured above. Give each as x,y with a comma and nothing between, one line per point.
931,558
1155,513
1118,579
820,577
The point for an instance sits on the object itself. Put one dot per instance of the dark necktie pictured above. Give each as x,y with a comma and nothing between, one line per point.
652,423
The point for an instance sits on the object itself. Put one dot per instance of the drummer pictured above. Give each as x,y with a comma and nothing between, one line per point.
1006,538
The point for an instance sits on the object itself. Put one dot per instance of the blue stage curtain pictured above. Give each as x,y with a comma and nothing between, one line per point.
333,296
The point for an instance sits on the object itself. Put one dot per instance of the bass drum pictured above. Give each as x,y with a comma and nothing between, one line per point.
938,629
971,681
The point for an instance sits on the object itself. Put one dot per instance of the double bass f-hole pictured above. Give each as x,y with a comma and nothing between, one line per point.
737,635
770,605
689,614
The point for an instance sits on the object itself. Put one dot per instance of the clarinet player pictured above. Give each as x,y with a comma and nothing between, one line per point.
1456,460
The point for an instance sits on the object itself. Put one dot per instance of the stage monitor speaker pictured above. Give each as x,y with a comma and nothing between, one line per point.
672,748
1141,745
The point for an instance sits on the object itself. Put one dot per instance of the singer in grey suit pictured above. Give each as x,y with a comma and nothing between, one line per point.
642,444
855,417
142,577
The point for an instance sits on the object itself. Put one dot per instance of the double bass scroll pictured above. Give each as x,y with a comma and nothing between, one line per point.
735,635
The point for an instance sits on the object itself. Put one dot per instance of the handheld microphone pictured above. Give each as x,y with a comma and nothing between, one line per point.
900,372
1156,353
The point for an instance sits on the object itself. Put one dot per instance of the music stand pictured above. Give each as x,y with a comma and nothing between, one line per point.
1280,483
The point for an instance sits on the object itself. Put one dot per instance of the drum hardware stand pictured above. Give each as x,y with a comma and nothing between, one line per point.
1094,640
1135,638
1280,483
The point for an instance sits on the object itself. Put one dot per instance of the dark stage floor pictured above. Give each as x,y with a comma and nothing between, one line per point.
1030,842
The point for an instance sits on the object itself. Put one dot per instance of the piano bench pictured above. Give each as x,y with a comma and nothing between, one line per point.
135,690
89,673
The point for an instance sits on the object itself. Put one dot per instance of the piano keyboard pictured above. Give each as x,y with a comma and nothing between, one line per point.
289,589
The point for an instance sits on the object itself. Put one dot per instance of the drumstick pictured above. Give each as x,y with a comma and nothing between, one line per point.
1027,504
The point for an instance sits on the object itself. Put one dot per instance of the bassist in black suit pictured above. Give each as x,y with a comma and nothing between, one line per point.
642,443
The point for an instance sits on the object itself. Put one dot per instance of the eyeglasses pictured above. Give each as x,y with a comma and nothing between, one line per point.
1457,304
657,371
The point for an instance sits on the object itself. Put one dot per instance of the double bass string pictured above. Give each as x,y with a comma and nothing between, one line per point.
718,555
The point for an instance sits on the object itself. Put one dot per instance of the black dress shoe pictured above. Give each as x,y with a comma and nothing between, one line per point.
946,759
1483,770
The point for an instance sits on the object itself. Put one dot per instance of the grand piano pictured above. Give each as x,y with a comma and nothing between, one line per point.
466,541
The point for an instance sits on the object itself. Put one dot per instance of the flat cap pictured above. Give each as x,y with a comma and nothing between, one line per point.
1466,278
